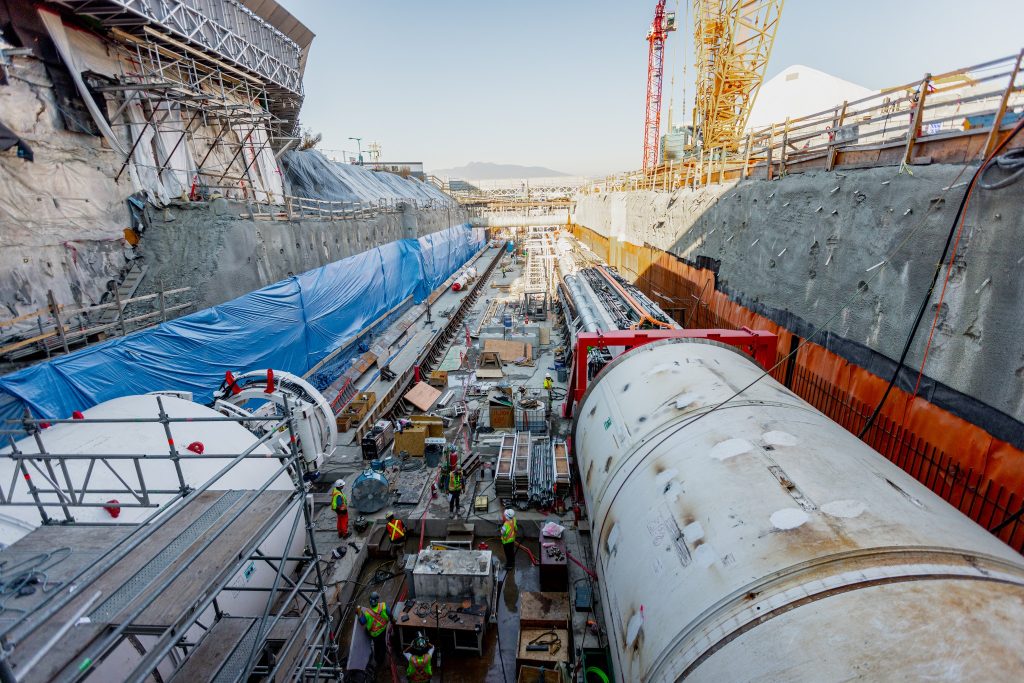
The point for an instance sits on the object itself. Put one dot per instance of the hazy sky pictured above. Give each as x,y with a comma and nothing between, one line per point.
561,83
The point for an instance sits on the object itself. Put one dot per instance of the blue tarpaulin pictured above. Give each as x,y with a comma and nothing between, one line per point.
290,325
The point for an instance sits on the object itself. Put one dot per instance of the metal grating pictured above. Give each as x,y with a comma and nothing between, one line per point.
233,667
143,578
222,28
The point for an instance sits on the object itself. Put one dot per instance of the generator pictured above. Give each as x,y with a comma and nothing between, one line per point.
378,440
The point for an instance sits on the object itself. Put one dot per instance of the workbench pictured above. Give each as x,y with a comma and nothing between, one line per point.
465,633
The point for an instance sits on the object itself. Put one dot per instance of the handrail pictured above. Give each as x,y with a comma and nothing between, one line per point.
950,102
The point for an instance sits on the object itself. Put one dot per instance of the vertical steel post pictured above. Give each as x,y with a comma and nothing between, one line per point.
993,135
915,120
55,312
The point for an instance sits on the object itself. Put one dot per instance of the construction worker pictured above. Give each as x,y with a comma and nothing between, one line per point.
395,529
509,531
455,490
548,385
375,619
339,503
419,655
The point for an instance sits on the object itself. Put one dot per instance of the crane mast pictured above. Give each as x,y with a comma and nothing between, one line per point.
732,43
663,23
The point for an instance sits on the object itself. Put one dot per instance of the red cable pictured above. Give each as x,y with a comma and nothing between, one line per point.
949,267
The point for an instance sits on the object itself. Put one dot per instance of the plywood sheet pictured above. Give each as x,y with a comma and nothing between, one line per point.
422,396
487,373
509,351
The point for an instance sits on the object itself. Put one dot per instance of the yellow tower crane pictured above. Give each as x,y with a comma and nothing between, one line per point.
732,42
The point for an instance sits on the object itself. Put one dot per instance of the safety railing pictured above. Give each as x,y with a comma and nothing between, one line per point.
304,208
59,327
890,124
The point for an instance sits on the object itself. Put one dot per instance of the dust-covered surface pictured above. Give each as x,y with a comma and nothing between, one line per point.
221,255
806,254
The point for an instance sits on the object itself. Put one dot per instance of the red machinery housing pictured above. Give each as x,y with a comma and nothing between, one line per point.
758,344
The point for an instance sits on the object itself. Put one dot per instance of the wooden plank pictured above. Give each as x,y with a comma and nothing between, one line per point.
543,609
422,396
545,658
218,557
508,351
213,650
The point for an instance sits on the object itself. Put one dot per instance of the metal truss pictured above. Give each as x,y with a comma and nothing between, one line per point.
303,594
224,29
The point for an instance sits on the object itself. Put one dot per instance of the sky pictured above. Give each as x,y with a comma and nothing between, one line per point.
561,83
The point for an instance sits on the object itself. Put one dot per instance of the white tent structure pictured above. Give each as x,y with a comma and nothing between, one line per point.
800,90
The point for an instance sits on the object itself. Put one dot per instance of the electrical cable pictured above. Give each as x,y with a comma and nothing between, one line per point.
1011,162
858,291
953,231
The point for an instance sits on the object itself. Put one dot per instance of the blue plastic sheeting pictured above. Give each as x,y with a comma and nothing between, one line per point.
290,325
310,174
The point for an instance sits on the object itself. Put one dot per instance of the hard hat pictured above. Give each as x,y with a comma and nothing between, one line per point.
390,515
374,599
548,375
510,513
339,484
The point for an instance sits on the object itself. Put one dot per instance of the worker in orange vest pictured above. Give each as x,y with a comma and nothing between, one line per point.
419,656
376,619
339,503
394,529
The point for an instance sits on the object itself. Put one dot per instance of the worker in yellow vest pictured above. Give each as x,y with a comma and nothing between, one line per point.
419,656
454,490
339,503
509,531
375,619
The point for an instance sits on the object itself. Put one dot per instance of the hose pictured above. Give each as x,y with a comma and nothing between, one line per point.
1012,162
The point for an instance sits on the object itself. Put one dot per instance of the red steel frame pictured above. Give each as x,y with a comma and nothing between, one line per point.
759,344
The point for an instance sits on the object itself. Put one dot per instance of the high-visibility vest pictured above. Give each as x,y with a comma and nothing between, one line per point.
339,502
548,383
419,669
454,482
396,530
508,531
377,619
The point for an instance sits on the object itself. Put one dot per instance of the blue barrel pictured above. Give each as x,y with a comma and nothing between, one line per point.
510,246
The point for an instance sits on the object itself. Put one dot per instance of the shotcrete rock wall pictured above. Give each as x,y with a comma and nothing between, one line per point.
854,252
210,248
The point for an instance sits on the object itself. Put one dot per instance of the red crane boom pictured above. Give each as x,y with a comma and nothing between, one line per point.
663,23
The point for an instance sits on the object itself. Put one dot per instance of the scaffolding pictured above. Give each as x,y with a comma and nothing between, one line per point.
223,30
220,116
148,586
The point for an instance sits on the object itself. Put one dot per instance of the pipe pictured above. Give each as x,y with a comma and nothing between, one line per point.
584,304
748,537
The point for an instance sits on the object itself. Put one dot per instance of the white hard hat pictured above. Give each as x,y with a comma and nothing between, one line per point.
547,374
510,513
339,484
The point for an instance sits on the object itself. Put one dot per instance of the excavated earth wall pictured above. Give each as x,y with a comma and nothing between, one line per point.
221,255
852,253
